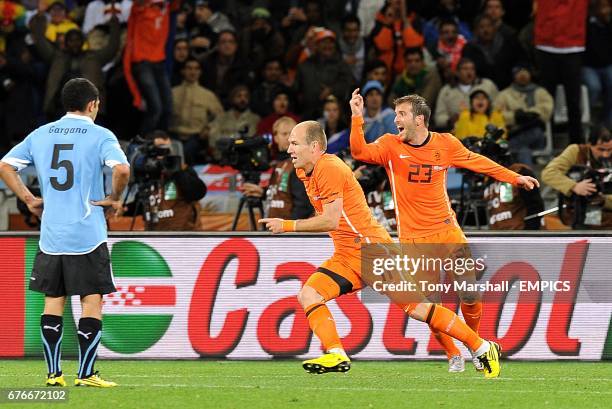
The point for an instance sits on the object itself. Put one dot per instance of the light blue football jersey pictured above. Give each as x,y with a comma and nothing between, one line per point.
69,155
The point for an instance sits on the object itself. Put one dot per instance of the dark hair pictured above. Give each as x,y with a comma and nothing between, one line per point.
418,104
351,18
191,59
374,64
599,134
463,61
158,133
447,21
414,50
77,93
75,32
481,17
271,60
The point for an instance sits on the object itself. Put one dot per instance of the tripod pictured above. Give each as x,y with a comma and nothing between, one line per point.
474,202
146,201
252,203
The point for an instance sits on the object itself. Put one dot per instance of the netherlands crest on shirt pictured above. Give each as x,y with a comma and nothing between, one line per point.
437,156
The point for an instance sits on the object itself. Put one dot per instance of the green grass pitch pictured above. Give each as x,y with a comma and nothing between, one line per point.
283,384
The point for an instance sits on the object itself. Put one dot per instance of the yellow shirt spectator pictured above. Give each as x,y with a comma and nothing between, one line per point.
472,122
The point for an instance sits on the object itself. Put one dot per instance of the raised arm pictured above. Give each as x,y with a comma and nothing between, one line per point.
360,150
464,158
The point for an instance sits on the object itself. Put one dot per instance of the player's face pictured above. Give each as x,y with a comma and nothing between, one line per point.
405,122
281,136
301,152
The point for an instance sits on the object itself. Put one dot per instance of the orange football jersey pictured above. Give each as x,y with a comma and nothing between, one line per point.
418,176
332,179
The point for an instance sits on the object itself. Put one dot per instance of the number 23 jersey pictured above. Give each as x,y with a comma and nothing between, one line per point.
417,174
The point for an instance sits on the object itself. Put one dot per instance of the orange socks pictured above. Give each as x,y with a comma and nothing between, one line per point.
323,325
447,343
472,314
444,320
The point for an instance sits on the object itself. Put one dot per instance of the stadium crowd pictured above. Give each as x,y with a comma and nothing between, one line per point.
203,70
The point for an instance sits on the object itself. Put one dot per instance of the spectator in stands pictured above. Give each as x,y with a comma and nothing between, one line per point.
201,43
260,41
446,13
71,62
335,126
298,21
194,107
180,54
416,78
494,9
454,97
560,38
238,121
223,69
59,24
448,49
267,87
526,108
376,70
206,12
393,32
144,56
352,45
18,98
323,74
597,70
12,26
493,53
285,196
282,105
378,118
472,122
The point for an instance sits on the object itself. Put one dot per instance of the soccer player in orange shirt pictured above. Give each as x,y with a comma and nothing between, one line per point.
416,161
341,210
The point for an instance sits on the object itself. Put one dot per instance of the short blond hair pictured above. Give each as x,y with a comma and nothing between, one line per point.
283,120
418,104
314,132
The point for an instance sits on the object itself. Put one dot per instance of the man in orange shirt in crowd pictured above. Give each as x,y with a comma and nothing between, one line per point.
341,210
416,161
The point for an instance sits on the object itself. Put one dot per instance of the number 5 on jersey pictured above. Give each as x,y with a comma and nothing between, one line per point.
57,164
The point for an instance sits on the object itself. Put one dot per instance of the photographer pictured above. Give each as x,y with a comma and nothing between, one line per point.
580,174
167,190
285,196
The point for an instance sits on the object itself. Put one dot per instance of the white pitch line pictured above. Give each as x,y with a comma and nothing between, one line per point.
432,377
205,386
